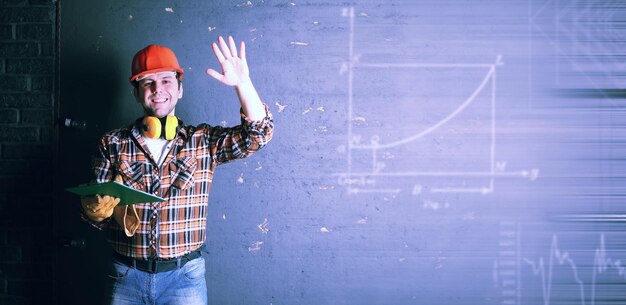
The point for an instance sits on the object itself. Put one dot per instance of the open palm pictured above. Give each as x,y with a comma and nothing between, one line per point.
234,66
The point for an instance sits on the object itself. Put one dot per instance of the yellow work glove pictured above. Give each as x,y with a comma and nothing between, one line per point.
127,217
99,208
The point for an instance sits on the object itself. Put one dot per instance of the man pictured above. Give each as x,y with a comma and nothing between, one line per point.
157,244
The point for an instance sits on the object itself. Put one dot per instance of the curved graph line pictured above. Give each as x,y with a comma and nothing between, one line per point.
438,124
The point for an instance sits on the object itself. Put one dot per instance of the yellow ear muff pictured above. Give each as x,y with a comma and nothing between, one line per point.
153,127
171,127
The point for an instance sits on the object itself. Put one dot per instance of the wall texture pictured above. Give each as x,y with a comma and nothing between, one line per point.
27,69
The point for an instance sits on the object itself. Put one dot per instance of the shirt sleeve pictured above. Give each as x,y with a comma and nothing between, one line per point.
242,140
98,225
101,172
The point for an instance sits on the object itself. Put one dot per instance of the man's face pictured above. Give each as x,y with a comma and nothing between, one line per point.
158,93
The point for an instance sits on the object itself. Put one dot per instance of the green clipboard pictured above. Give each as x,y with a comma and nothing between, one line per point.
127,195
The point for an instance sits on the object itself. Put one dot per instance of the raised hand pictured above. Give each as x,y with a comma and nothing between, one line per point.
234,66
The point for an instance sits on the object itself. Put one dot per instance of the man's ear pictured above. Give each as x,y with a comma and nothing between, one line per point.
136,94
180,90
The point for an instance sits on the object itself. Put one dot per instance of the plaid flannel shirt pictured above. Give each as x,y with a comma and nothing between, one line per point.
176,226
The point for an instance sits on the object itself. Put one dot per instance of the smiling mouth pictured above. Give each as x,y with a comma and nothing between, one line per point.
159,100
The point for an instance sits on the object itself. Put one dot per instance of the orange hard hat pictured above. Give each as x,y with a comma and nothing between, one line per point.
152,59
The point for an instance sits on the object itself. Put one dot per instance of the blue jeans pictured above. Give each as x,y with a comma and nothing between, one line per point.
184,286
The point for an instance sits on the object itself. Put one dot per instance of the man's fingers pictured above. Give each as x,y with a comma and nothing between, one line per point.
118,179
100,203
111,204
243,51
99,207
217,52
225,50
233,47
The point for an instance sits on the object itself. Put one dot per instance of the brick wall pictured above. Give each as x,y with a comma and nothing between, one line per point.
27,94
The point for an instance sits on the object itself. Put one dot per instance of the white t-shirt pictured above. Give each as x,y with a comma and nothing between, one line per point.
159,148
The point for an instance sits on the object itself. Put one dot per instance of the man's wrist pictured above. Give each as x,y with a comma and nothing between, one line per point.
94,217
243,84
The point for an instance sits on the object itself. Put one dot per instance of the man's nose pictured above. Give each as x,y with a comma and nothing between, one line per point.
156,88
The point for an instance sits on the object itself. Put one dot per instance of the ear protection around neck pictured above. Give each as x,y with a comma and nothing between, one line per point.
165,127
